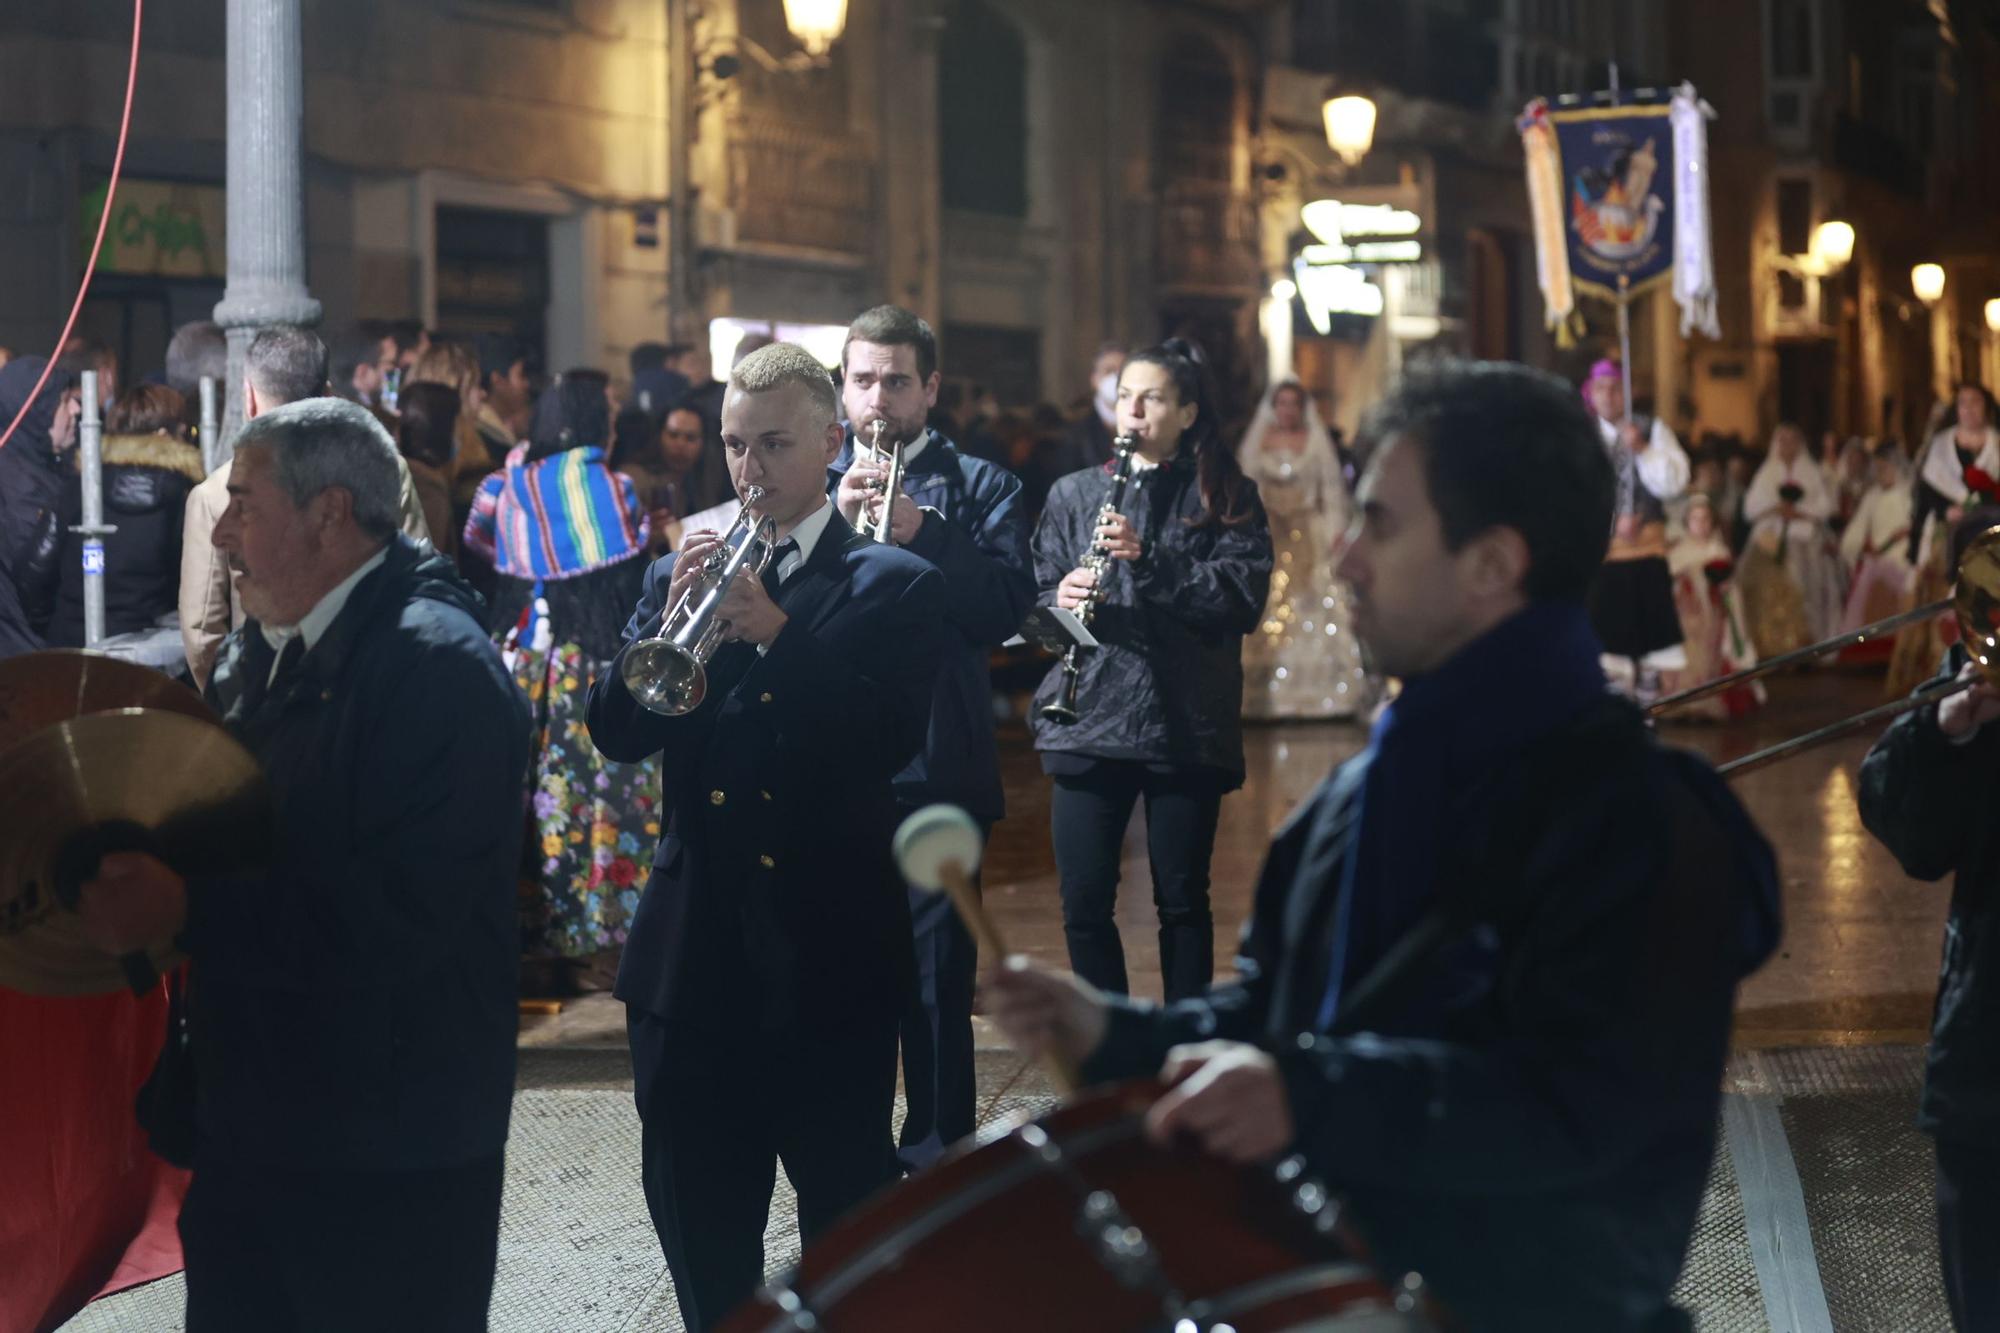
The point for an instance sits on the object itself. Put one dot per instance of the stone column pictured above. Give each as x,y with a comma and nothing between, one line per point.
266,199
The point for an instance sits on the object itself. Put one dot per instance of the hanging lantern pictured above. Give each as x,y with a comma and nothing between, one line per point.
817,24
1350,127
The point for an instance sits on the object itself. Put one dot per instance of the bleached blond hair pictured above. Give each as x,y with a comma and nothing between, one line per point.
780,364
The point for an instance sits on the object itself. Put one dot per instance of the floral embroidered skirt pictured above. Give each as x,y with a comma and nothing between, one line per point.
596,821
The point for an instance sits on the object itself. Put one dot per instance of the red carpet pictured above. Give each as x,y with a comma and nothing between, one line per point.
85,1209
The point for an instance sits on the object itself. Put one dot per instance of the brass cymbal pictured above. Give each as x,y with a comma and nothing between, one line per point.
183,788
40,689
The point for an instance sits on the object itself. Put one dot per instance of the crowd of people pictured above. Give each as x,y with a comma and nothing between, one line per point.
419,607
1730,557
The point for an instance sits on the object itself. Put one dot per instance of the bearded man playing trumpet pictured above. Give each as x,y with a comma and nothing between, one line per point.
770,952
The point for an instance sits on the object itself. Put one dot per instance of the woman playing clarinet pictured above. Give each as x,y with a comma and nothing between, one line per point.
1185,568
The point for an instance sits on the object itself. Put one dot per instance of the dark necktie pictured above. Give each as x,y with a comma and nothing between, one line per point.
771,577
288,665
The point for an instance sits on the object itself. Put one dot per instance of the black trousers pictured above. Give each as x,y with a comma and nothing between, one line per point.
939,1084
305,1251
1089,812
720,1109
1632,607
1968,1218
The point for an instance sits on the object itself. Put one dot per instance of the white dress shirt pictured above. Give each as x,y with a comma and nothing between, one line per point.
324,612
1662,465
806,535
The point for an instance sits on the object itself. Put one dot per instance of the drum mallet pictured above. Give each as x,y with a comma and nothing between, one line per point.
938,849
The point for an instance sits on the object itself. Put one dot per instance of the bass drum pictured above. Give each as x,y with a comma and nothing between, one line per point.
1077,1223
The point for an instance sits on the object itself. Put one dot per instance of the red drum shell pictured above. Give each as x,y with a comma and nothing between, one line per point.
993,1239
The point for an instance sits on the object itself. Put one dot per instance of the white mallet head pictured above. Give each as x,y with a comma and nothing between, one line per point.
933,838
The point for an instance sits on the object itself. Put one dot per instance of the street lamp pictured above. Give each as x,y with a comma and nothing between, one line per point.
817,24
1927,281
1833,244
1350,127
1993,315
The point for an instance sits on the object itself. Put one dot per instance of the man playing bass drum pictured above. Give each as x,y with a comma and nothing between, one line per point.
1159,702
1486,985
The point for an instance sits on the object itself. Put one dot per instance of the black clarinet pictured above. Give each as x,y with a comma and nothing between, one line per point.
1063,709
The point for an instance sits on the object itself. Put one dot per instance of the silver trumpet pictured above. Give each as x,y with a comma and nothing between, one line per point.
881,528
668,674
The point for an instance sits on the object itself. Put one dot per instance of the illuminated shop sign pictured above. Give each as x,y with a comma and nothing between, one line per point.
1362,233
1334,289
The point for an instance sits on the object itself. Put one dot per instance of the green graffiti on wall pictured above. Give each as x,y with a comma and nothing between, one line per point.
159,228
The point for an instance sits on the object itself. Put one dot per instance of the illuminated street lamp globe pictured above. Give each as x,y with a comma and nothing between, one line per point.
1927,281
1993,314
1350,127
817,24
1833,244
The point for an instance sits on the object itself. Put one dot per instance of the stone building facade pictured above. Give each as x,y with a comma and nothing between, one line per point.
1035,176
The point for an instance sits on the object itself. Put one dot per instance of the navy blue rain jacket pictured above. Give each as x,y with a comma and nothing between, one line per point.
355,1006
976,533
1529,1122
1932,804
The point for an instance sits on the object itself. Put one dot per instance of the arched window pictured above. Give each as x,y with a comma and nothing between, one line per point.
1197,114
983,112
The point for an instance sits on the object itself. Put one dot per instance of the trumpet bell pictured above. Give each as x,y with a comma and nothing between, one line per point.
664,677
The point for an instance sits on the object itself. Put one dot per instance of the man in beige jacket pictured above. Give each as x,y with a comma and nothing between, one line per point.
283,365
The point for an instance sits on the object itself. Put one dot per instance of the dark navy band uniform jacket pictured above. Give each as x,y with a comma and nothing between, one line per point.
773,899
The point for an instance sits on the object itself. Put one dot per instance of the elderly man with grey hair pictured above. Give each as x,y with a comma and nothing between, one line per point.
354,1004
284,365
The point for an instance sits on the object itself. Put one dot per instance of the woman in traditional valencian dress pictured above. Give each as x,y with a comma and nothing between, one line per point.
1875,544
1711,614
1303,661
1959,470
1793,585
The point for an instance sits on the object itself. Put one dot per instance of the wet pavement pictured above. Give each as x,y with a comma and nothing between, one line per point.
1817,1215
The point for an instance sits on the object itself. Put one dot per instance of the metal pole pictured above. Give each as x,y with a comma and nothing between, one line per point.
1929,694
1624,301
682,317
90,446
265,82
1799,656
211,427
1625,341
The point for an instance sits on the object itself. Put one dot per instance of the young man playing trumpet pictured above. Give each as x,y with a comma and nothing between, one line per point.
769,960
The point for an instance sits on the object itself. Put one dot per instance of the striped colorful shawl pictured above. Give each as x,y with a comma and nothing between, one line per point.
556,517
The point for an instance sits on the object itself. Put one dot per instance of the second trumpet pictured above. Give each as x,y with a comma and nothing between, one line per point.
881,528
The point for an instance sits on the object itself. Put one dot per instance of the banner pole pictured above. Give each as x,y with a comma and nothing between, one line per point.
1625,341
